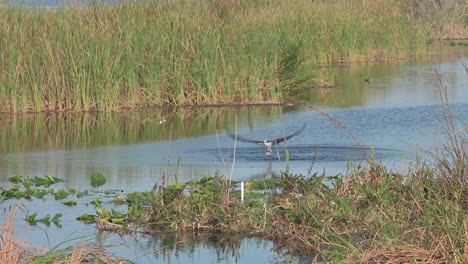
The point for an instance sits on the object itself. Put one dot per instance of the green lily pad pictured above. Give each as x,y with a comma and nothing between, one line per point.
42,181
86,218
97,179
16,178
61,194
119,221
119,199
39,193
70,203
81,194
104,213
97,201
117,214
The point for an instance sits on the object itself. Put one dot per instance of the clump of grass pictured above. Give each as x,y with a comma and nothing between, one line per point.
186,52
445,16
452,161
80,253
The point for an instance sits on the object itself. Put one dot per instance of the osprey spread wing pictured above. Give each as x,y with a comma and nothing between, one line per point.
268,143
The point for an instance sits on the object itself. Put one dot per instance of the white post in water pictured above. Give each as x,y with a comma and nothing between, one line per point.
242,191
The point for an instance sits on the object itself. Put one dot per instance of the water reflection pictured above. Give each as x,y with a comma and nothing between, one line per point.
61,131
199,248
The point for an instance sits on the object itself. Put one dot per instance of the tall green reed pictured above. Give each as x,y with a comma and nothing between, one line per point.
187,52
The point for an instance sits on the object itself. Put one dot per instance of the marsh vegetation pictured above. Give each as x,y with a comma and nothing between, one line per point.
153,53
101,58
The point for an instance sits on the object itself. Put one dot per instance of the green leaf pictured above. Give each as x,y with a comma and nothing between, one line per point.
39,193
40,181
45,181
117,214
55,179
119,221
45,220
97,201
61,194
135,197
57,217
19,195
86,218
72,190
27,182
9,193
97,179
119,199
16,178
81,194
104,213
31,219
179,185
70,203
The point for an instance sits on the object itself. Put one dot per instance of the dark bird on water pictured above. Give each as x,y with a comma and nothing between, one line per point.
367,80
268,144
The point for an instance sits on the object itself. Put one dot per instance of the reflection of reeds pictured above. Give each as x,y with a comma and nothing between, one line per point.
78,130
154,53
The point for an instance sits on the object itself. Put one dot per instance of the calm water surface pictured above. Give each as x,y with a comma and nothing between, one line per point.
393,115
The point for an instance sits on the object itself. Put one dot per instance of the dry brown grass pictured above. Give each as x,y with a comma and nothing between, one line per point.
397,253
15,251
90,253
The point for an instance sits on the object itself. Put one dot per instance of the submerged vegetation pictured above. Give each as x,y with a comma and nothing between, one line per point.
183,52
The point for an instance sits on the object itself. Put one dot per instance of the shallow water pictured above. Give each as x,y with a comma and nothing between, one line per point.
391,117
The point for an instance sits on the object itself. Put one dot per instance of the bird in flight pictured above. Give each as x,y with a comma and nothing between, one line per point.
268,144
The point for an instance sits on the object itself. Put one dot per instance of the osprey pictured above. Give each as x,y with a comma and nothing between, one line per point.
268,144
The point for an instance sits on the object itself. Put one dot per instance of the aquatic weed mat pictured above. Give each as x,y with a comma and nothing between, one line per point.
368,215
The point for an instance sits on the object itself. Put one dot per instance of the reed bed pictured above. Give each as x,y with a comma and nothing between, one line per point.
184,52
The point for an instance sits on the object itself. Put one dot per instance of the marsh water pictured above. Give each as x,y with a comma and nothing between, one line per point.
392,118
